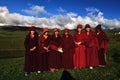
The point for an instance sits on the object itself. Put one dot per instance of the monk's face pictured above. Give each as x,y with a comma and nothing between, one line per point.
87,29
46,33
56,32
66,33
79,29
32,32
98,30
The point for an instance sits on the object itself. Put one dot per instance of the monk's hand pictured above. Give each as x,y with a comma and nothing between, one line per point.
60,50
76,43
79,43
46,48
32,49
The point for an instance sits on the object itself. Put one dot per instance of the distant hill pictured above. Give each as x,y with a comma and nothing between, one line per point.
25,28
15,28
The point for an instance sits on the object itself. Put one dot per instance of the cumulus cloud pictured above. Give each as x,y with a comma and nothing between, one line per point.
35,10
69,20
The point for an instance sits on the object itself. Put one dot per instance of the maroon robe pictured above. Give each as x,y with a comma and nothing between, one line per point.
103,45
31,56
42,53
80,55
54,58
68,52
91,49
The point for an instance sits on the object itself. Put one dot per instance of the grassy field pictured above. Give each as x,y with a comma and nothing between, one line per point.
12,59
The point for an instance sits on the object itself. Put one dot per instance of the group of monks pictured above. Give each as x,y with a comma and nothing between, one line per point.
84,49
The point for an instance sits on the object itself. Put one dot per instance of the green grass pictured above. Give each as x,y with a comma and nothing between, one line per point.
12,59
12,69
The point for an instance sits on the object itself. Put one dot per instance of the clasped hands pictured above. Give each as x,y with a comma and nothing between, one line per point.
78,43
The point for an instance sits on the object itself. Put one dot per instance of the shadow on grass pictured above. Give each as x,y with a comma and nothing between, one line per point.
116,57
66,76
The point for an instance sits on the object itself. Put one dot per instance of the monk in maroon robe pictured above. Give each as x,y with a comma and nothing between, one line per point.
68,50
80,55
43,52
55,55
91,47
103,45
31,47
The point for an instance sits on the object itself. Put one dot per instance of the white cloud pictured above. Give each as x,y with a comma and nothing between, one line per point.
61,10
69,20
92,10
35,10
71,14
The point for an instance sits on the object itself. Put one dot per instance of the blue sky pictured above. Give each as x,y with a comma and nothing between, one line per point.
48,8
110,8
